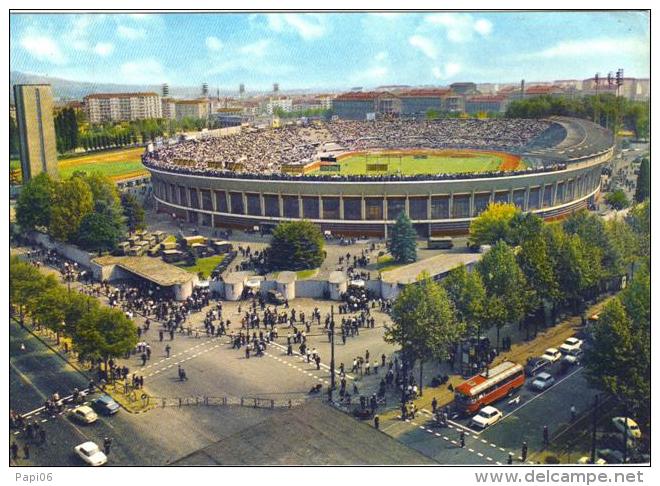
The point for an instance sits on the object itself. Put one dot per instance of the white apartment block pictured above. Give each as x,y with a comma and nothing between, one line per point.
168,108
285,104
110,107
192,109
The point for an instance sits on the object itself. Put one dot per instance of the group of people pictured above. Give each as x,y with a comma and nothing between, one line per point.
258,153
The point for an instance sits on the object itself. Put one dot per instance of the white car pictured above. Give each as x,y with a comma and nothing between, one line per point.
570,344
633,429
543,381
574,356
551,354
91,454
486,416
84,414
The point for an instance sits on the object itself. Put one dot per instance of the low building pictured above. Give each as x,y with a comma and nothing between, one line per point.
420,101
486,104
361,105
198,108
279,104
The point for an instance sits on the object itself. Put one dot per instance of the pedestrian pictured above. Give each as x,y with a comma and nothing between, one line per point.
107,443
573,413
14,451
168,348
377,422
160,336
434,405
546,437
42,436
509,459
524,452
462,439
26,451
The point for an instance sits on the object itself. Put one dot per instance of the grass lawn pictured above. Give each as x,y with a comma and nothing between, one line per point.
204,265
435,162
386,263
302,274
116,164
15,164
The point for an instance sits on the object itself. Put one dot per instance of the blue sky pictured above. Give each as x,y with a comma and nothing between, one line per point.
329,50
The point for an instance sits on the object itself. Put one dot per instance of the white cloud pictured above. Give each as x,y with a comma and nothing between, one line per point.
425,45
257,48
142,71
104,48
447,71
578,48
213,43
381,56
307,26
130,33
460,27
43,48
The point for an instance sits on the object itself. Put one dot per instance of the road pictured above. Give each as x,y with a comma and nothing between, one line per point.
525,414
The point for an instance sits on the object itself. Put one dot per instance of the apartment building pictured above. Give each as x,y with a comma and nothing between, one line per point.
112,107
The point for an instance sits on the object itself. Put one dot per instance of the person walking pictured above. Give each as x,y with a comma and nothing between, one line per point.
462,439
546,436
524,452
107,444
168,348
573,413
26,451
14,451
377,422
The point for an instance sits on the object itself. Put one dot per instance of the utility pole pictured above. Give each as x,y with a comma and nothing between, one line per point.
593,431
625,439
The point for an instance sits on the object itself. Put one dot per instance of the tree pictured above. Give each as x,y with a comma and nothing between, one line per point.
402,242
493,225
618,362
99,231
506,288
34,204
49,309
423,323
13,137
537,266
296,245
73,201
643,189
466,290
26,285
639,219
524,226
106,333
133,211
617,199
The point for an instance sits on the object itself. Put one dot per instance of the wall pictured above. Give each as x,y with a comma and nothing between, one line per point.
70,251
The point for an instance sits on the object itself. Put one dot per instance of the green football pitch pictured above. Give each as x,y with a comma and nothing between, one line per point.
439,162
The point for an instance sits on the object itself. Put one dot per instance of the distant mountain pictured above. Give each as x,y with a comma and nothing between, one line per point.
64,89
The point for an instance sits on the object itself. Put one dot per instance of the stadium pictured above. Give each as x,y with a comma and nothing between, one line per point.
355,177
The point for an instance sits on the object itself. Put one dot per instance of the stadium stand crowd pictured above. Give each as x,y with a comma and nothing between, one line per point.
262,153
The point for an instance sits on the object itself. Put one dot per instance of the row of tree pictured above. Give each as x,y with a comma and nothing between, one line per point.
85,210
97,332
613,112
533,268
66,130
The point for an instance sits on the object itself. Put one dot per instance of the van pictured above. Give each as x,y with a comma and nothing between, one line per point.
437,243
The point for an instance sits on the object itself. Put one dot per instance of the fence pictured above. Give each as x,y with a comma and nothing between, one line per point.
226,401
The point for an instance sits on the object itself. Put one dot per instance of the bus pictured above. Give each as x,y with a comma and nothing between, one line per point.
440,243
488,387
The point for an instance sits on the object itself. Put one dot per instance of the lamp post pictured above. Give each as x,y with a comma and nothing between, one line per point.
332,352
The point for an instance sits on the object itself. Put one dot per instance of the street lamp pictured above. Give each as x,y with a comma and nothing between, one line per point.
332,352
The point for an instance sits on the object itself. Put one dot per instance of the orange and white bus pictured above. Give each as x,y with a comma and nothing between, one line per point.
488,387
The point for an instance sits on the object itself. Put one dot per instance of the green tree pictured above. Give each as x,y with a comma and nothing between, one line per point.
133,211
99,231
466,290
26,285
106,333
34,204
493,225
402,242
423,323
643,189
13,137
506,288
617,199
639,219
73,201
50,310
524,226
296,245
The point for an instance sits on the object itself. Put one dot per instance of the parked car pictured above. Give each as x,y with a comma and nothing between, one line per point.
83,414
633,429
105,405
552,354
91,454
570,344
487,416
535,366
574,356
543,381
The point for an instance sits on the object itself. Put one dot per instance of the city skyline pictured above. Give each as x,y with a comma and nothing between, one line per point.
381,48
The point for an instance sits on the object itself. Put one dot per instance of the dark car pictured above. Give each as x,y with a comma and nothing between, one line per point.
105,405
535,366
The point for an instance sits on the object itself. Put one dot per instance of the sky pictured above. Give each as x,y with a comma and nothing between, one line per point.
329,51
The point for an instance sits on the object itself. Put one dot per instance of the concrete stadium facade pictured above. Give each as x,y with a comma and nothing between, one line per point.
435,206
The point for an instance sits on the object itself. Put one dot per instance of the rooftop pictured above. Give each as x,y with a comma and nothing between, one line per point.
436,265
152,269
119,95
